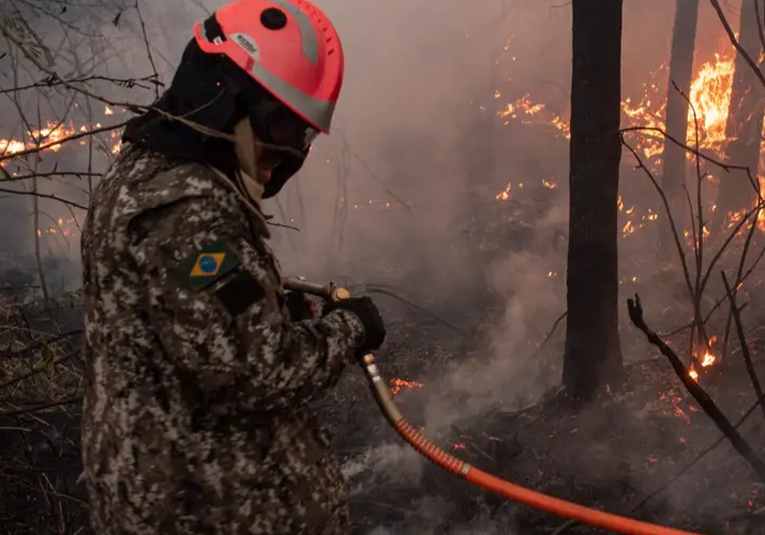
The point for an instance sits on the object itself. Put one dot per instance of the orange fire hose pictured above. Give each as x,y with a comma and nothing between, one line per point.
450,463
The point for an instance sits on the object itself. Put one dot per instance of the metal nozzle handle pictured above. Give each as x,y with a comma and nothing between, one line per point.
329,291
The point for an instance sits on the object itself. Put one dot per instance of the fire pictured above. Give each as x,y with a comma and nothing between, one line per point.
525,108
64,227
397,384
709,95
50,134
505,193
706,360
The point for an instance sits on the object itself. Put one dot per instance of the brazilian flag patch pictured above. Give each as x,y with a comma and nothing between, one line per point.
208,264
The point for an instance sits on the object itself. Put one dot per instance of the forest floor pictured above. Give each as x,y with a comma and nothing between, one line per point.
640,453
644,452
635,452
647,451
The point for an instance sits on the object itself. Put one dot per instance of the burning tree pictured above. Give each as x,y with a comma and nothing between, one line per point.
744,123
593,355
678,105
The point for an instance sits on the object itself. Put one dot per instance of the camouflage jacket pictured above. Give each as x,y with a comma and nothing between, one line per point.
195,417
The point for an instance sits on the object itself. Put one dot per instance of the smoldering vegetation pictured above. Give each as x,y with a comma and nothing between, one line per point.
442,192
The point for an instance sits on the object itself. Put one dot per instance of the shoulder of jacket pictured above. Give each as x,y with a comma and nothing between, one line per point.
149,181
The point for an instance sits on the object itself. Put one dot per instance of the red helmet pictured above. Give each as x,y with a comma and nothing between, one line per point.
287,46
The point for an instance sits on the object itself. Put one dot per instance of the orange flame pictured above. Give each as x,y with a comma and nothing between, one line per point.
50,134
706,360
398,384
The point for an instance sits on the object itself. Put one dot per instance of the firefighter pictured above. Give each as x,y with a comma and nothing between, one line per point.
200,370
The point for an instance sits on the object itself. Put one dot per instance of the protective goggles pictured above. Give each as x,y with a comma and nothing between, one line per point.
276,124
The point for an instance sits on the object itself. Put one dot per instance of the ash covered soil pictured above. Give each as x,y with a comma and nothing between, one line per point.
611,456
637,452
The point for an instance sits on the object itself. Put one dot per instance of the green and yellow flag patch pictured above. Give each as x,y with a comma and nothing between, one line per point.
209,264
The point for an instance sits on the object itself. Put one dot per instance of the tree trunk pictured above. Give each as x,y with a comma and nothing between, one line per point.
744,125
680,74
593,357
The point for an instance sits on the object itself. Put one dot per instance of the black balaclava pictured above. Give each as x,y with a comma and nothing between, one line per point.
209,90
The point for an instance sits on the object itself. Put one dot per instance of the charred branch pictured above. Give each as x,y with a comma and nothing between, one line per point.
704,400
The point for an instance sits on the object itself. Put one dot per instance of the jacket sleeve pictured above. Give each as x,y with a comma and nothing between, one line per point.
213,295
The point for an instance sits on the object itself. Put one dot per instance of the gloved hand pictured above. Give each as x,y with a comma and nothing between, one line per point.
365,309
300,306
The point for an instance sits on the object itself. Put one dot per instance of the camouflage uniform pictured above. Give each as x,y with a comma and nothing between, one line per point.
195,417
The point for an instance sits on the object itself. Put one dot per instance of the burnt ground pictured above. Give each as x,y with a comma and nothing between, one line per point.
613,455
610,456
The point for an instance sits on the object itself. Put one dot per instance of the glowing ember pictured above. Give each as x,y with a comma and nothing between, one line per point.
397,384
64,227
504,194
674,399
760,213
372,204
755,496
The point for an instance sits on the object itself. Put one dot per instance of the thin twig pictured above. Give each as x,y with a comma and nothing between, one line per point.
736,312
58,403
732,36
148,47
39,195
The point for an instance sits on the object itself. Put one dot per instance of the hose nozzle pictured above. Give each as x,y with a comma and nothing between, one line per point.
329,291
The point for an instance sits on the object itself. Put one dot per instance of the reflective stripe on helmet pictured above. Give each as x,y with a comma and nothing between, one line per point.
317,112
297,58
308,37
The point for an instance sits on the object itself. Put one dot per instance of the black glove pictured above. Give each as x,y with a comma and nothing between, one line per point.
300,306
365,309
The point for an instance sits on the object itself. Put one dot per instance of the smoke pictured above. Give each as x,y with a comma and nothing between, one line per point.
404,189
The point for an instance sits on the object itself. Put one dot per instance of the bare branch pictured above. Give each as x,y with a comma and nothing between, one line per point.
44,196
736,311
732,36
699,394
